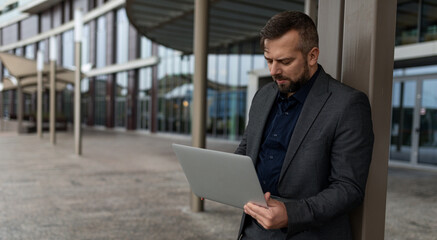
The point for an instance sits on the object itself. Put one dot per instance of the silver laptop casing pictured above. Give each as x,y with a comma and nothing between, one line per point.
219,176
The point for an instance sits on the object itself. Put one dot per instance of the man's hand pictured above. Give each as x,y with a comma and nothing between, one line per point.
272,217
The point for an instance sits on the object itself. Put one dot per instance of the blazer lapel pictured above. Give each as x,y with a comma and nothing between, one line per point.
266,101
314,103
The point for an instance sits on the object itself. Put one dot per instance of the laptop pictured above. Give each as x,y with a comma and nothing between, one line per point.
223,177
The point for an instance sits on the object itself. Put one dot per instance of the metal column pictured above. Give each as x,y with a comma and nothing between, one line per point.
52,103
311,8
77,78
201,15
330,28
19,106
368,53
40,65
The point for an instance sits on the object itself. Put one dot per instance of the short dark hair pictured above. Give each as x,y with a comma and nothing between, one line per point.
283,22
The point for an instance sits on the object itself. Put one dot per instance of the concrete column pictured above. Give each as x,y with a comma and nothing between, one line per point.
77,79
198,124
311,8
368,52
19,106
52,102
330,28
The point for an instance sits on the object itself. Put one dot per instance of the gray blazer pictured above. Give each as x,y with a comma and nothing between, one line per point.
325,168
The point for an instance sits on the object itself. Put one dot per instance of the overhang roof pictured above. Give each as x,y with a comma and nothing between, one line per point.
24,70
170,22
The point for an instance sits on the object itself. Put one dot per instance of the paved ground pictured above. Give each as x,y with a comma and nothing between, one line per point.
130,186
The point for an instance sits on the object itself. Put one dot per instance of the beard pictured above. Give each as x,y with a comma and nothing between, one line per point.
292,86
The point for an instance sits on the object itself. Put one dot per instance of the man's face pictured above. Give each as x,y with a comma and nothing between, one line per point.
288,66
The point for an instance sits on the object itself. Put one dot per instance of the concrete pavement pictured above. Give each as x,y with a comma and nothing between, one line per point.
130,186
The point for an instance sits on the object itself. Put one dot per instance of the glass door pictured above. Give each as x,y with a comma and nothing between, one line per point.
403,135
428,123
414,120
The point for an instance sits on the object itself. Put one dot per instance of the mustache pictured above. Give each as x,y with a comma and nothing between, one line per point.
280,77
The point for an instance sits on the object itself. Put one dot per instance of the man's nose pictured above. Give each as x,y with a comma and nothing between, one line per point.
275,69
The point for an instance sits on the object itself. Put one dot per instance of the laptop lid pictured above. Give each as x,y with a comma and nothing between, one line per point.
219,176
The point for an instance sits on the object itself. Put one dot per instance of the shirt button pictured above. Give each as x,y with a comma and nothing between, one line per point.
271,157
275,135
264,182
286,113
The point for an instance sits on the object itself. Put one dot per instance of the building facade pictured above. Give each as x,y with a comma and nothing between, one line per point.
136,84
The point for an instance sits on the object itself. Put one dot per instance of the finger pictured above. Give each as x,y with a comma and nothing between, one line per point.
256,210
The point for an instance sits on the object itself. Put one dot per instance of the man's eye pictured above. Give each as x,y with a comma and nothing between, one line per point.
286,62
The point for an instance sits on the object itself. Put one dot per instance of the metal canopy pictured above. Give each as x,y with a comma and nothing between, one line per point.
170,22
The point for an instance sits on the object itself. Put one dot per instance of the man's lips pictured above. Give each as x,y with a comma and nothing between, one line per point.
281,81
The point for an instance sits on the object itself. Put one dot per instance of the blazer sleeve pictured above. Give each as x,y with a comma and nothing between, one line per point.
350,155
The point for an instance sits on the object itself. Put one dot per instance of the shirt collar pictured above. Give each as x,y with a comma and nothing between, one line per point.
302,93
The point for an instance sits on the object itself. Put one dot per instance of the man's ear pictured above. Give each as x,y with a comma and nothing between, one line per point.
313,56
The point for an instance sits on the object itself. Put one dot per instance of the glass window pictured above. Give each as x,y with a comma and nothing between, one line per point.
146,47
259,62
428,123
85,44
84,89
68,49
246,66
403,103
100,101
29,51
428,23
144,88
19,51
6,104
68,102
120,99
406,22
234,113
101,42
122,36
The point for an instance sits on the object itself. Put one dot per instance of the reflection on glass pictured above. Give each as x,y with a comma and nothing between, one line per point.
101,42
428,123
84,89
68,49
144,87
428,24
406,22
29,51
120,99
6,103
86,44
403,103
122,36
100,101
146,47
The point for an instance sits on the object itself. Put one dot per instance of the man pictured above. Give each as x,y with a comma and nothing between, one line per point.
310,138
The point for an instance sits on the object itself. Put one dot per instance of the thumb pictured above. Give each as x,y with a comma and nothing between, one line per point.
269,200
267,196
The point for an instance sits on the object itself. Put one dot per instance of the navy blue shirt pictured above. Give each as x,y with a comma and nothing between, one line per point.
277,134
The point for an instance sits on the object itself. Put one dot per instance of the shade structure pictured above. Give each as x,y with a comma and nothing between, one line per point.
25,70
170,22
